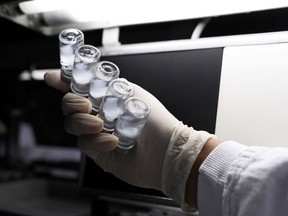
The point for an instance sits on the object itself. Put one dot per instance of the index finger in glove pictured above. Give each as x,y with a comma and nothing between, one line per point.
83,123
72,103
93,144
53,79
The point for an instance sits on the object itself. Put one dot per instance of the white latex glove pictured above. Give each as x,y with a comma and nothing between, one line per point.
164,153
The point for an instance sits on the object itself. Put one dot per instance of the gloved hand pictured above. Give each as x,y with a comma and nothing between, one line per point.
164,153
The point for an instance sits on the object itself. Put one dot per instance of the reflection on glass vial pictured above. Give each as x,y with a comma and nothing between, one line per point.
130,123
103,73
112,103
69,41
86,57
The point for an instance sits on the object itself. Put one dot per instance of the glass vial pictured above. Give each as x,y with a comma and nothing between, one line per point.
86,57
103,73
69,41
112,103
130,123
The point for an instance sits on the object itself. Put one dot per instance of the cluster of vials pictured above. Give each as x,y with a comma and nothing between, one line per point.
111,97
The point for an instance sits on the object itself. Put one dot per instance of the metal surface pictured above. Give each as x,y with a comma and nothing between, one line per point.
202,43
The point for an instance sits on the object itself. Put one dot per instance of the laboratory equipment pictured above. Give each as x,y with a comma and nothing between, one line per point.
112,103
69,41
86,57
103,73
130,123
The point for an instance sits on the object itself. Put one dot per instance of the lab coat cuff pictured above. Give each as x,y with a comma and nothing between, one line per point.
212,177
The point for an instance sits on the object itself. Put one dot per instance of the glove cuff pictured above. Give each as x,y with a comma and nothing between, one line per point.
183,149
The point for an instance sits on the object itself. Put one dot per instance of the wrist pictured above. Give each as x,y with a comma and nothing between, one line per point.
182,151
192,181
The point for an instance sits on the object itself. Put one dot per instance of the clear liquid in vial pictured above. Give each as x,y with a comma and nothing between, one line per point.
109,111
112,103
86,57
98,88
128,127
131,123
111,108
69,41
67,57
82,74
105,72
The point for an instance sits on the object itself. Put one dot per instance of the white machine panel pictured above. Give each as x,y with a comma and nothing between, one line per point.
253,97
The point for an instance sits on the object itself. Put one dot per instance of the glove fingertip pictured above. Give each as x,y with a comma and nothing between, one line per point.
72,103
94,143
53,79
109,142
114,140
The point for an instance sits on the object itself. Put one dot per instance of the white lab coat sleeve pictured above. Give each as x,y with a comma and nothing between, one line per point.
212,177
237,180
